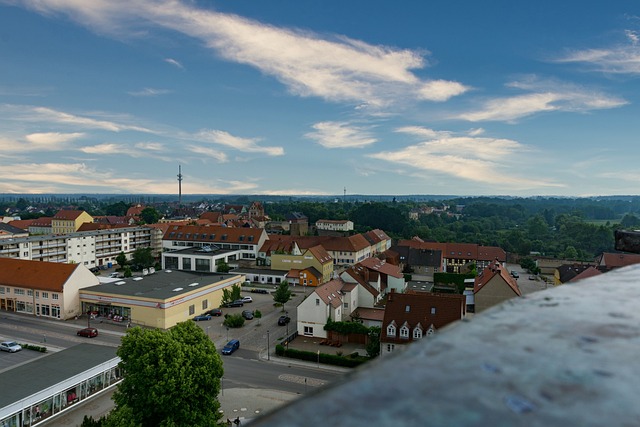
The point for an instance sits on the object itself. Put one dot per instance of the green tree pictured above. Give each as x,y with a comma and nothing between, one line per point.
232,294
127,271
233,320
282,293
143,258
150,215
570,253
222,267
373,345
121,259
171,378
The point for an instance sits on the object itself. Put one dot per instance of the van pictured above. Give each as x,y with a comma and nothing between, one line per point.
231,346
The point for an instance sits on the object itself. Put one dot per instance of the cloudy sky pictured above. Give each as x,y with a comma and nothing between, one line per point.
308,97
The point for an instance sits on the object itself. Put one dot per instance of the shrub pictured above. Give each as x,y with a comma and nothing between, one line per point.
329,359
234,321
34,347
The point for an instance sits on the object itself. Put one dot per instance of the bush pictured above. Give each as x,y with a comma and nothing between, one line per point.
34,348
234,321
329,359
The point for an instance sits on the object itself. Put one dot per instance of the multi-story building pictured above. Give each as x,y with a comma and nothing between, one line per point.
457,256
90,248
43,288
330,227
298,259
246,240
69,221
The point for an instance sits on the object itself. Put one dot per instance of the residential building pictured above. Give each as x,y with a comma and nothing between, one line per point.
91,248
420,263
457,257
159,300
69,221
381,275
298,224
324,303
609,261
8,231
411,317
344,251
41,225
378,240
566,272
493,286
44,289
334,227
200,259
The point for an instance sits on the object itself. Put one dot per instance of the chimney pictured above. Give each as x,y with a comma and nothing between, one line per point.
390,295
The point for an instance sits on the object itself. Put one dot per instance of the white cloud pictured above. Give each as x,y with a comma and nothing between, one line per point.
174,62
148,92
28,113
480,160
546,96
52,138
209,152
246,145
619,59
337,69
340,135
422,132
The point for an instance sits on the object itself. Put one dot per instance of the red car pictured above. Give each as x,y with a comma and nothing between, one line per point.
88,332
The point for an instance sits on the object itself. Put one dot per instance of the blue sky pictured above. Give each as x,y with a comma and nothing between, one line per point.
307,97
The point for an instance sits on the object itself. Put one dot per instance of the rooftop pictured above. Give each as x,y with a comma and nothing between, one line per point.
161,285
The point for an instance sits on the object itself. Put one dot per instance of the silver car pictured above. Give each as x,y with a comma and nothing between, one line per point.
10,346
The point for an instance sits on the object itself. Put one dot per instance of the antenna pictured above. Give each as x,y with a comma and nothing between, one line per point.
344,198
179,185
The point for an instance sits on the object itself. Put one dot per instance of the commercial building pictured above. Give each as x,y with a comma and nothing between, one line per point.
35,392
161,299
46,289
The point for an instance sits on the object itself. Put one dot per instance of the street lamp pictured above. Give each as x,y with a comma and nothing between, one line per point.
318,358
287,323
268,345
208,332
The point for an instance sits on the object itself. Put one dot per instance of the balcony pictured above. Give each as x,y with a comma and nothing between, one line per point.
563,356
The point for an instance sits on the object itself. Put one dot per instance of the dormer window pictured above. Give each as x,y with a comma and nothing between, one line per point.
391,330
404,332
417,333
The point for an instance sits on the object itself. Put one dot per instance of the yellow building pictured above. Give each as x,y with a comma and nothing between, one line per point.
300,259
69,221
159,300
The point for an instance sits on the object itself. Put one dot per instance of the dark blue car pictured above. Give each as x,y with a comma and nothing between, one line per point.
202,317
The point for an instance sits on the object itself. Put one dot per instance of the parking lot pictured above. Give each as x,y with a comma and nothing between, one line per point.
253,335
10,360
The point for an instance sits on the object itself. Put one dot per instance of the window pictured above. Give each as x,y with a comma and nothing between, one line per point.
18,291
308,330
186,263
417,333
205,304
433,310
55,296
404,332
345,305
391,331
37,294
390,347
45,295
203,264
192,309
317,301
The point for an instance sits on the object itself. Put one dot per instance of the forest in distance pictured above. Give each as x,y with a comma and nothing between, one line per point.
569,228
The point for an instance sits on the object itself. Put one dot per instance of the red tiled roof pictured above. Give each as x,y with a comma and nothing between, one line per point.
22,224
424,309
614,260
382,267
589,272
490,272
46,276
213,234
68,214
330,292
367,313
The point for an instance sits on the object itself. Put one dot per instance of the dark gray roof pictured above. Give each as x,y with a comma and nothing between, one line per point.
416,256
51,369
160,285
11,229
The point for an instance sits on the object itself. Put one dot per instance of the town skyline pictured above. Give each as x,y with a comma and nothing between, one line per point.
307,99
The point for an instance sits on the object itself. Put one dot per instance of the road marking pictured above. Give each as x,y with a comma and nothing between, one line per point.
313,382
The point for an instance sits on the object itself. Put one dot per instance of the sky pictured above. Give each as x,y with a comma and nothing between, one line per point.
320,98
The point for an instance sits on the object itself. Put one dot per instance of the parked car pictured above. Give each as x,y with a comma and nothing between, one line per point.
88,332
202,317
514,274
231,346
283,320
94,269
10,346
247,314
247,299
259,291
214,312
236,303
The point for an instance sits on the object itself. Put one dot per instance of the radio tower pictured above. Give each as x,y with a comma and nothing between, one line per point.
344,197
179,185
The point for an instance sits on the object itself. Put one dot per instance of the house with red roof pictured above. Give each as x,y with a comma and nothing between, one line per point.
411,317
609,261
69,221
494,285
46,289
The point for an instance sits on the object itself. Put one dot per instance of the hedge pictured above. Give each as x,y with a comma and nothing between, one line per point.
34,347
346,328
329,359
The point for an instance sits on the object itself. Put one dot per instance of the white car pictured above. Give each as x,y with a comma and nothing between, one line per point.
10,346
247,299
